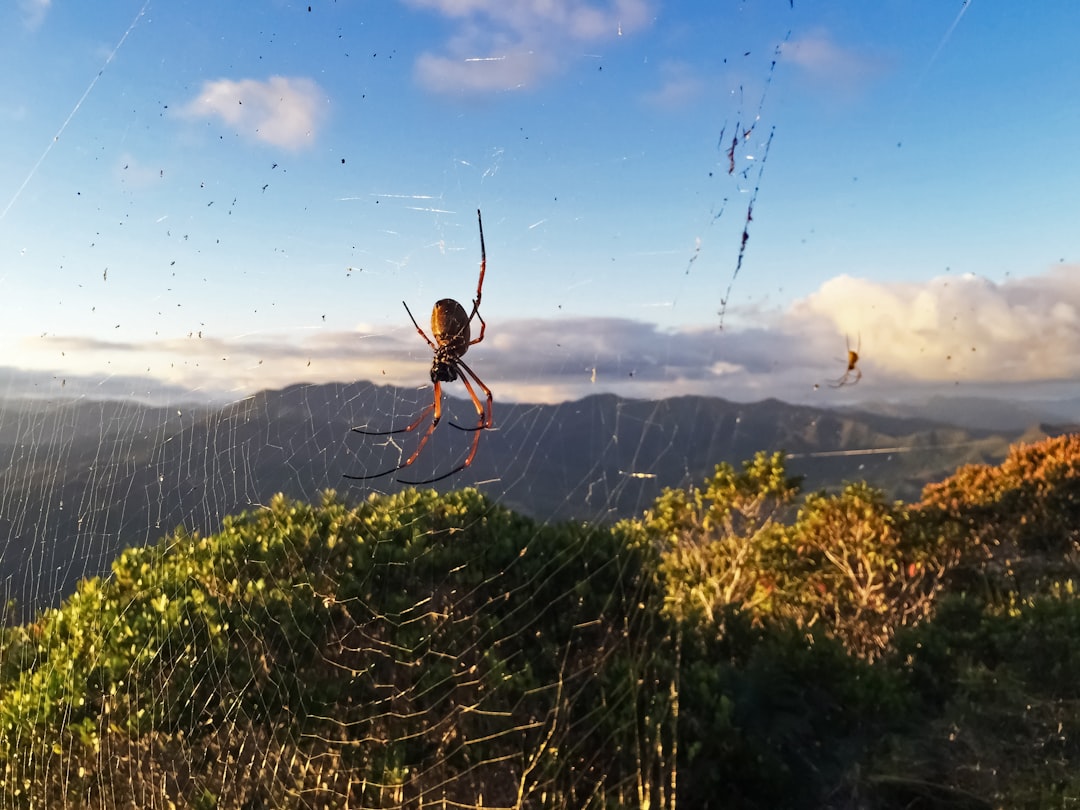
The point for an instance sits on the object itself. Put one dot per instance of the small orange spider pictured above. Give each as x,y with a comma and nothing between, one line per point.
451,327
852,375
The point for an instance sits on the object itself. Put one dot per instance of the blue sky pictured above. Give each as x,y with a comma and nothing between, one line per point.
219,198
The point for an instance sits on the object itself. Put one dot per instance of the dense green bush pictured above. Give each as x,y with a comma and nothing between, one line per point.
868,567
414,645
1000,686
776,716
851,563
724,544
1019,522
734,647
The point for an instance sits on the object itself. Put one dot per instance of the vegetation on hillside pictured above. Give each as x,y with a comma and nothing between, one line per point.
742,645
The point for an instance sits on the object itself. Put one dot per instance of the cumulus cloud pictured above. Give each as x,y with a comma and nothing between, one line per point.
837,68
527,360
223,368
680,86
962,329
281,111
512,44
34,11
513,69
1020,338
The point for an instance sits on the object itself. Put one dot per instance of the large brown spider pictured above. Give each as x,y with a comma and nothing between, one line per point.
852,375
451,328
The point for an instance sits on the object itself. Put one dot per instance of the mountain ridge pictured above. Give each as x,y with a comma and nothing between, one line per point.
86,478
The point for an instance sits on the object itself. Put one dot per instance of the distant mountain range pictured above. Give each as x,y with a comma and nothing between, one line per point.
982,412
84,479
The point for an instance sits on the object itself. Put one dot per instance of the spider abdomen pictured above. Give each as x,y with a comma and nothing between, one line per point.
450,327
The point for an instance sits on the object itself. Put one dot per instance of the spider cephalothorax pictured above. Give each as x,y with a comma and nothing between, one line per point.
451,327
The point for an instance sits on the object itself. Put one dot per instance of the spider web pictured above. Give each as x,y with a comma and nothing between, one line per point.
395,626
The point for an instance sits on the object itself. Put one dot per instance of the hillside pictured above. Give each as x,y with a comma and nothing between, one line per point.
742,645
88,478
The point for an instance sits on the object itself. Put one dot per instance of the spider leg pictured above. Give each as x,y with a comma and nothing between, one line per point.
483,327
484,422
437,407
847,378
457,469
421,332
373,475
483,261
468,460
480,284
409,429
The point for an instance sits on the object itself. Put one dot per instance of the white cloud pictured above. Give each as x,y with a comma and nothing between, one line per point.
962,329
580,19
509,71
512,44
529,360
281,111
680,87
14,114
839,69
967,335
34,12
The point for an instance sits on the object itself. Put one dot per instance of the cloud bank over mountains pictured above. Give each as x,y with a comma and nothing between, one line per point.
1020,337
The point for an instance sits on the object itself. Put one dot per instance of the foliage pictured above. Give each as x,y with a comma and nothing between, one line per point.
775,710
721,545
1001,684
776,716
851,562
734,647
413,646
1020,520
868,566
